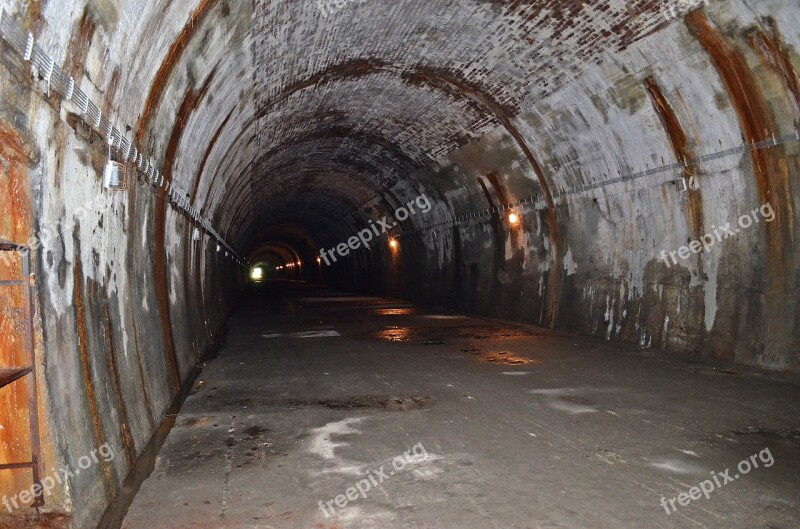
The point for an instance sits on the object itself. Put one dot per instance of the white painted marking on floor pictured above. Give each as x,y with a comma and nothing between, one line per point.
689,452
532,434
303,334
515,373
677,467
321,443
350,470
571,408
612,413
554,392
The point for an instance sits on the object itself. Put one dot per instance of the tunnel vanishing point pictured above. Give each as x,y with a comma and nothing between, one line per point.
252,250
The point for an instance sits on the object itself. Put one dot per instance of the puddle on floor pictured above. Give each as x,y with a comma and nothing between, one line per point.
394,334
254,432
406,311
390,403
383,402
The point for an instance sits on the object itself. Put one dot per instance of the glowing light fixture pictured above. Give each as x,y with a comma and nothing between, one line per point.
393,244
513,218
257,273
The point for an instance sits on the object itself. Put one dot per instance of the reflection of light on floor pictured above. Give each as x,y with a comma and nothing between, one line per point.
506,358
395,334
396,312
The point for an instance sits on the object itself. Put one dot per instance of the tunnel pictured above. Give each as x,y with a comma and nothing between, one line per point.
333,264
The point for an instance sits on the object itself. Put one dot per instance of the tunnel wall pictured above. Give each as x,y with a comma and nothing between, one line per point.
128,302
607,146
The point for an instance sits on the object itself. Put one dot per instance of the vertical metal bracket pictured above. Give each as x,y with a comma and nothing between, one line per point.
29,48
70,89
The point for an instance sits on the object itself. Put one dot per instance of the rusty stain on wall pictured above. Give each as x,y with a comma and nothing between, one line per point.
190,103
679,142
79,44
116,384
86,365
757,122
148,406
773,52
161,80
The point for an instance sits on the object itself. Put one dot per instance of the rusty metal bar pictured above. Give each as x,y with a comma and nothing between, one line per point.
9,375
17,466
33,397
10,283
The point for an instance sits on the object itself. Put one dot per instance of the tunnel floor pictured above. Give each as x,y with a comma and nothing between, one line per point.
331,411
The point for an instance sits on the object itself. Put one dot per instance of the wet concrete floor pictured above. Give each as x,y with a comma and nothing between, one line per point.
332,411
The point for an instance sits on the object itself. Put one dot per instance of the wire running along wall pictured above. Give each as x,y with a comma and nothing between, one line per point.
43,66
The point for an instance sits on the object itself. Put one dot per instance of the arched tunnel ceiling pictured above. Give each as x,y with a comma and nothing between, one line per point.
350,103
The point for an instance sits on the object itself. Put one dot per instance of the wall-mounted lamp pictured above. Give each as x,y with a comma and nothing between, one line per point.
513,218
114,173
393,244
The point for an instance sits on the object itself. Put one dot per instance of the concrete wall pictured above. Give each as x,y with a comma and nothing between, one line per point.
587,258
290,129
128,302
